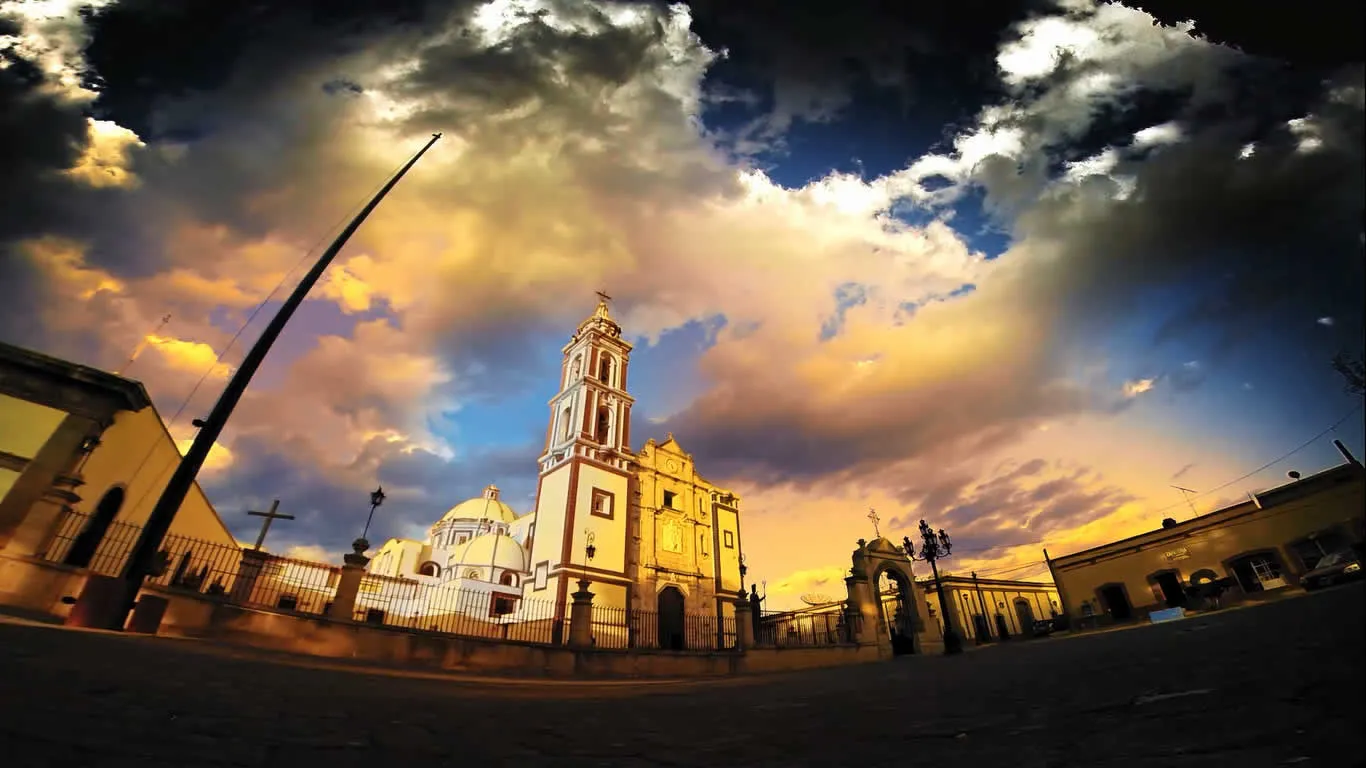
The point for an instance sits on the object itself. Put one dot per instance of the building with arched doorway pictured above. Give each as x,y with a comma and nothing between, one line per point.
83,457
657,541
1254,550
993,609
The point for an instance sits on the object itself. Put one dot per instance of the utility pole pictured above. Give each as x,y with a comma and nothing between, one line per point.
99,613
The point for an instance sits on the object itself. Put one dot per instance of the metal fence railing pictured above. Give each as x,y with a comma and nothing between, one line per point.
674,632
806,630
261,580
449,610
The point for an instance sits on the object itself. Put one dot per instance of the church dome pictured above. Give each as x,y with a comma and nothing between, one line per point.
495,550
486,507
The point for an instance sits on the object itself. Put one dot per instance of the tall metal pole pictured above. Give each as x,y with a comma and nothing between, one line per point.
140,563
952,643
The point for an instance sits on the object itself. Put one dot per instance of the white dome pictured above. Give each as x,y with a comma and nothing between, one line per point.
497,550
486,507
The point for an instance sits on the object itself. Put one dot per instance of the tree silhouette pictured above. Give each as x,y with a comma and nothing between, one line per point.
1353,369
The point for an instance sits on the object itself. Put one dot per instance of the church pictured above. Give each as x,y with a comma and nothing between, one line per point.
643,527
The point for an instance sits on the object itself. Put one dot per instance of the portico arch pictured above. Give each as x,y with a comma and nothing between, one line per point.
897,623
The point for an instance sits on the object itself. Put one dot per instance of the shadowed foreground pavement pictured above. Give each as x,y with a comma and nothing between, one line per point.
1281,684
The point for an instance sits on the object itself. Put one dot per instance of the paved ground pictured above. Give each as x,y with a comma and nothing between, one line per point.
1276,685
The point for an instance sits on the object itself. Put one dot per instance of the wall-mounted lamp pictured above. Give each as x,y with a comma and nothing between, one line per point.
589,550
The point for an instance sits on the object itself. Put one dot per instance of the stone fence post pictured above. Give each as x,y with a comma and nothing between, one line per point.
581,617
248,572
348,586
744,623
864,614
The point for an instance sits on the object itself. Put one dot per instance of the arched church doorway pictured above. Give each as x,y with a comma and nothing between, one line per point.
88,541
895,600
1025,614
671,619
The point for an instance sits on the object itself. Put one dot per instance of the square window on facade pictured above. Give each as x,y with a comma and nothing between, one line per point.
669,499
729,539
602,503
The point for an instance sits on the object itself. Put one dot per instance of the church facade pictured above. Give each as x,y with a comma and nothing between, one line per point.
648,531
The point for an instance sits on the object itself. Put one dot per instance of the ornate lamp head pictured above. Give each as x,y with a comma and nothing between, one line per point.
589,549
945,542
377,496
908,547
743,568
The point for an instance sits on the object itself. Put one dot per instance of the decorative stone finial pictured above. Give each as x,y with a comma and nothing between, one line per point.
360,545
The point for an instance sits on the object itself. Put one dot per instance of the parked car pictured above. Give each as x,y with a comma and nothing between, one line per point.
1332,569
1043,627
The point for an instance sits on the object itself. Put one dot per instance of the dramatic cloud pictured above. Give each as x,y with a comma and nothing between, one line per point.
861,344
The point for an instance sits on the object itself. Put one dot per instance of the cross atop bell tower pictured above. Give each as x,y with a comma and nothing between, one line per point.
591,414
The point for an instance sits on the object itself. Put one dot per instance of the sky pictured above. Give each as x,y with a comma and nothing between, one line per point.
1014,269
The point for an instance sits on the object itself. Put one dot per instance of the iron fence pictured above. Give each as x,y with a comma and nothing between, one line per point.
301,586
79,544
468,613
287,584
194,564
611,627
689,632
804,630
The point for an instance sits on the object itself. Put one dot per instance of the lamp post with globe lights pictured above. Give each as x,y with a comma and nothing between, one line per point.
932,547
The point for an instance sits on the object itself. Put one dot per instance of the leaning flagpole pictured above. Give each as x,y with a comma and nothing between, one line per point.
145,551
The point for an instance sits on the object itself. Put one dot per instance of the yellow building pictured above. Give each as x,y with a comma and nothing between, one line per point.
993,609
83,458
1259,547
650,533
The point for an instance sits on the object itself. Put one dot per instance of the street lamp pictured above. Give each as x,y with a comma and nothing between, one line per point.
934,546
376,499
589,550
743,570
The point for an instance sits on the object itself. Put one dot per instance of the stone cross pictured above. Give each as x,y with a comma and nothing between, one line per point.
270,517
603,295
872,515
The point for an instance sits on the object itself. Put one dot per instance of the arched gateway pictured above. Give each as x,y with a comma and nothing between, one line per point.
884,596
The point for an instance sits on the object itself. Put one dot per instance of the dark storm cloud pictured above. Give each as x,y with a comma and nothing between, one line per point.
811,58
1258,239
1326,33
39,137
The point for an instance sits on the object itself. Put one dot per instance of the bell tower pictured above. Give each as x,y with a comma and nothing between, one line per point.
581,497
591,415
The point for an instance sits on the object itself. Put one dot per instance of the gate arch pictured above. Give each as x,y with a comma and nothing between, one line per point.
900,626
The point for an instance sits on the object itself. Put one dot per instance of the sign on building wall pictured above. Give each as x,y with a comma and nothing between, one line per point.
1180,553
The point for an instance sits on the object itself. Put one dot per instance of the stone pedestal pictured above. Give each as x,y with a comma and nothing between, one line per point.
102,604
248,572
147,614
348,586
581,617
744,624
863,611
